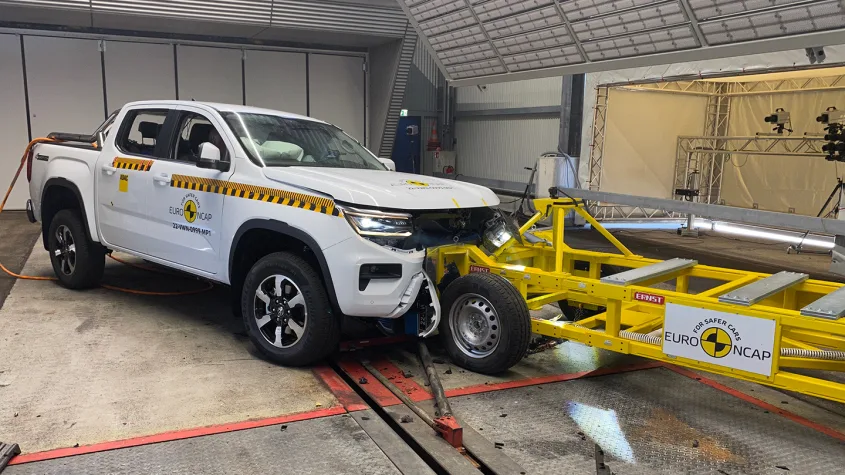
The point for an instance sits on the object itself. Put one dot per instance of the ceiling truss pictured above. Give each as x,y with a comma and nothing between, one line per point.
478,41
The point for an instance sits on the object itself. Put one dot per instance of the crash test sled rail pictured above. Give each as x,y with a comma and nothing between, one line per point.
749,325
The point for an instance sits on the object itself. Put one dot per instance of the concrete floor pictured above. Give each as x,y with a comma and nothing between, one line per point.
81,367
96,366
19,235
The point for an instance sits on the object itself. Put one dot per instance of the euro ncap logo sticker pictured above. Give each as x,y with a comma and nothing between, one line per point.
190,211
190,208
716,342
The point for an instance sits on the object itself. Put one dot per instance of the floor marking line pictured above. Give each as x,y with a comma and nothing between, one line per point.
345,395
174,435
757,402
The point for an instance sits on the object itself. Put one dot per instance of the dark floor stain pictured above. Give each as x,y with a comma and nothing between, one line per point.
88,324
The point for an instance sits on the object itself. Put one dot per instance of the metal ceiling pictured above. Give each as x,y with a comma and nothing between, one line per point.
483,41
262,19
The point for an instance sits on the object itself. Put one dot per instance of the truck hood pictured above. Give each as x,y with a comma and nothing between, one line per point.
384,189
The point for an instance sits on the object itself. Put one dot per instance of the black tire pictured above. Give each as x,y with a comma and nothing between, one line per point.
572,313
320,332
509,313
80,261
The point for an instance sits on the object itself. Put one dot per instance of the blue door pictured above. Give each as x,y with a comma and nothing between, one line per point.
406,148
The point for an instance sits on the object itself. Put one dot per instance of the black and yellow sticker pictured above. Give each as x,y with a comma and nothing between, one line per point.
133,164
257,193
716,342
123,184
190,211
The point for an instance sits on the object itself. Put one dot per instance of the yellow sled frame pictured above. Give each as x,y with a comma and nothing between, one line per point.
550,271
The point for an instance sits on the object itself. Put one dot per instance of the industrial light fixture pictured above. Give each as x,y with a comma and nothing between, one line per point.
790,20
670,39
520,24
545,58
816,54
538,40
630,22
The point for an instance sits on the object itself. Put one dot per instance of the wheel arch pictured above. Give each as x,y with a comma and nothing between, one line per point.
291,236
61,193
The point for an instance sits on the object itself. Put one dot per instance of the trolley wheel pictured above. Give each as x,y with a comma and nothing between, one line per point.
486,326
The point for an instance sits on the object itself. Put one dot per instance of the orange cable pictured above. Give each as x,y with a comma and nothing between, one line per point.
26,153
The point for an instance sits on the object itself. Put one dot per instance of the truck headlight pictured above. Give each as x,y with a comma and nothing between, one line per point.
382,228
495,237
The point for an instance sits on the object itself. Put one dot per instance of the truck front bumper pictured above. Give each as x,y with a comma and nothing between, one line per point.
379,298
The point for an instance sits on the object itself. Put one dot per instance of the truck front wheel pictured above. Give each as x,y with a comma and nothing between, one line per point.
486,326
286,311
77,261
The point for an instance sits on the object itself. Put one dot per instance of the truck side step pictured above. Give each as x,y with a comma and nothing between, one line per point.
634,276
831,306
759,290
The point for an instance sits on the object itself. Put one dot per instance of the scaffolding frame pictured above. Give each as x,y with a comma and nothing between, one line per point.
706,154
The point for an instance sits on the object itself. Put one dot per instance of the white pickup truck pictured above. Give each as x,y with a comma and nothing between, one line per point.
301,220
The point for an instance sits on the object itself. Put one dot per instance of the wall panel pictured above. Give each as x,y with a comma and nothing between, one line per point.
13,133
210,74
499,149
137,72
65,81
276,80
337,92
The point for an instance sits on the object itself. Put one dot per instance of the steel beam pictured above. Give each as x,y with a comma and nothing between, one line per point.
536,110
728,213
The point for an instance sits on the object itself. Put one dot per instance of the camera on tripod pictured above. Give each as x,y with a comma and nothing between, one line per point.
834,134
780,118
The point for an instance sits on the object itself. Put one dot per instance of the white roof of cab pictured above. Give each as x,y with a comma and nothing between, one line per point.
227,108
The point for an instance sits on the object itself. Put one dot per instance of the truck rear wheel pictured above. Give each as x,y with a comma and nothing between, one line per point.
486,326
286,311
77,261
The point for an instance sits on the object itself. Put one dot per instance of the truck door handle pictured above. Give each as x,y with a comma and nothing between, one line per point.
108,169
162,179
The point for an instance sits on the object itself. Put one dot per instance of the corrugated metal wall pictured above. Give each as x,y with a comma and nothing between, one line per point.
300,14
422,98
530,93
423,80
500,147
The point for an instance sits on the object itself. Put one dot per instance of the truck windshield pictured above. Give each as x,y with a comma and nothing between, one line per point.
276,141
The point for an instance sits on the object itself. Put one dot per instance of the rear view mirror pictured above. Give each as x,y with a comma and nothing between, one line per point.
209,157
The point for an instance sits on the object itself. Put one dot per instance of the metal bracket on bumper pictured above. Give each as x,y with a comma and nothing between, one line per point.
410,296
435,302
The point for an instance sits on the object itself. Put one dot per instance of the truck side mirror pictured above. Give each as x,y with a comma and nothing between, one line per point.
388,163
210,157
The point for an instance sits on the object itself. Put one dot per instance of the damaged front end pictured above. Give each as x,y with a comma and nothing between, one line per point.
420,231
485,227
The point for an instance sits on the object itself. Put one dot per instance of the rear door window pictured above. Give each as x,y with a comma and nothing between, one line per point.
142,130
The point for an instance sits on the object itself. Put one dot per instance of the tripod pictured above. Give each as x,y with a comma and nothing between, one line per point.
837,191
